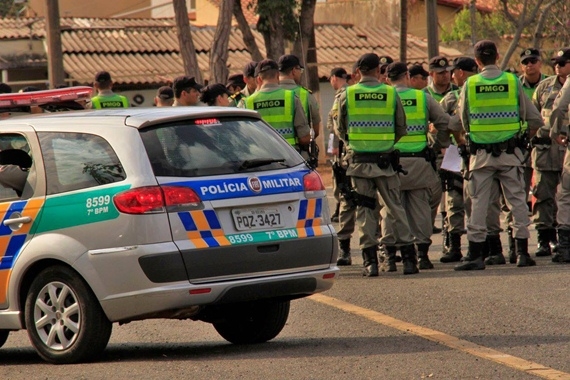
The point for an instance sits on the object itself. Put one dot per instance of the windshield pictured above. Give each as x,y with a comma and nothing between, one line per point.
214,146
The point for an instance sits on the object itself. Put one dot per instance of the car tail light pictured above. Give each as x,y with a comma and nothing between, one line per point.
154,199
180,196
312,182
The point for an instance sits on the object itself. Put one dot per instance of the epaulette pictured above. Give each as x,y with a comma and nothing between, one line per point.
237,96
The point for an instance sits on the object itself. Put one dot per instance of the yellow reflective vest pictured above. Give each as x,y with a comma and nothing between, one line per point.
371,114
493,108
415,107
277,108
110,101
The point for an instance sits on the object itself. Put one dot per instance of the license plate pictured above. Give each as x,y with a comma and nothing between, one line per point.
258,218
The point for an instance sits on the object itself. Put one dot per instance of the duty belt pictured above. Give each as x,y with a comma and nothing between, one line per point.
507,146
381,159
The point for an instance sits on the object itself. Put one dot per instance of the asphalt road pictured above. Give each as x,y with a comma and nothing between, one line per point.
501,323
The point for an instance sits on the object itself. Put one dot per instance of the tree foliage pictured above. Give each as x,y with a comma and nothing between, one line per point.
489,26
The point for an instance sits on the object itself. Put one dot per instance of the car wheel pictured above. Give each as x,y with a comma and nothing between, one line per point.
64,320
3,336
254,322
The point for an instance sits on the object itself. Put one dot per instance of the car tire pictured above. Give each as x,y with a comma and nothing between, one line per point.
3,336
64,319
255,322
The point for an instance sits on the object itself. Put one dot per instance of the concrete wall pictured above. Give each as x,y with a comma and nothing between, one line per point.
94,9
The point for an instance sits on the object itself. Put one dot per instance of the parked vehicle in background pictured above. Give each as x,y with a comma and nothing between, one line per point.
200,213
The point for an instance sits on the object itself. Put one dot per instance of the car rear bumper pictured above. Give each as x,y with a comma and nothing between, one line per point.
182,300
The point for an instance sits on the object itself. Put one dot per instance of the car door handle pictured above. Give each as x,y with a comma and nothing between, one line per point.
20,220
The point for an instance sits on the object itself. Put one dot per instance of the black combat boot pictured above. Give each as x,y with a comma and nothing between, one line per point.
344,257
553,241
370,260
425,263
410,259
543,236
474,258
454,253
512,251
389,262
334,217
486,249
563,253
523,258
496,256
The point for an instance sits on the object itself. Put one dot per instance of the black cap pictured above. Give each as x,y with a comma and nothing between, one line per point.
465,64
236,80
368,62
395,69
266,65
338,72
439,63
485,48
530,53
385,60
288,61
418,70
249,69
185,82
212,91
562,55
165,93
102,76
5,88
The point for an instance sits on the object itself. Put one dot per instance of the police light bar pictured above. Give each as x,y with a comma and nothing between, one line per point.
38,98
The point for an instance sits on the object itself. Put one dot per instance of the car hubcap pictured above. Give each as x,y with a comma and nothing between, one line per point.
57,316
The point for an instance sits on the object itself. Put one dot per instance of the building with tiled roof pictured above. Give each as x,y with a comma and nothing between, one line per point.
145,52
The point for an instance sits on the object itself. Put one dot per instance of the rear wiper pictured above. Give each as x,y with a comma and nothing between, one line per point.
247,164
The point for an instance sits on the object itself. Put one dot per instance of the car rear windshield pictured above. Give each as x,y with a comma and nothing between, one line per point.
202,147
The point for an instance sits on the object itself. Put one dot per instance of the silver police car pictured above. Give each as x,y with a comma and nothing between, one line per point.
198,213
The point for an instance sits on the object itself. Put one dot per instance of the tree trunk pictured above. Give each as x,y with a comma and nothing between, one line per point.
431,14
274,38
537,35
56,74
305,44
473,17
219,50
403,30
187,49
248,38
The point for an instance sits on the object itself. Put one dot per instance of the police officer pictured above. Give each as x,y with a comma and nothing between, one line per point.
371,120
416,157
458,198
272,100
559,133
235,85
531,65
495,152
105,97
547,158
338,81
440,73
418,77
186,91
215,94
290,73
164,97
250,84
345,212
385,60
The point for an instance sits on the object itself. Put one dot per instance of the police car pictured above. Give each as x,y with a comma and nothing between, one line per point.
197,213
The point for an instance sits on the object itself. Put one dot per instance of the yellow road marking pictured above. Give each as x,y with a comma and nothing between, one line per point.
445,339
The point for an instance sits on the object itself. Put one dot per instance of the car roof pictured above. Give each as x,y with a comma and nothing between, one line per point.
138,117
